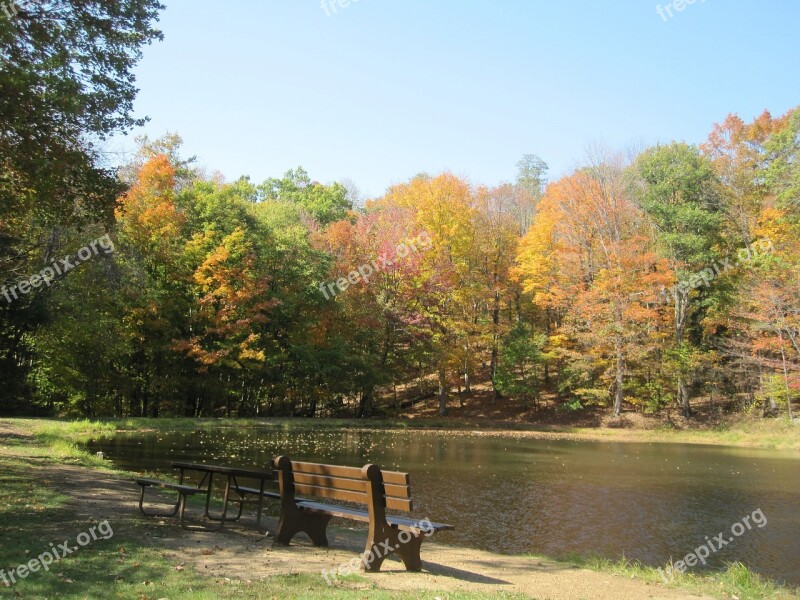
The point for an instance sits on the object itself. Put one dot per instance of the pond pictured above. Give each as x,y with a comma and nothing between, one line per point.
644,501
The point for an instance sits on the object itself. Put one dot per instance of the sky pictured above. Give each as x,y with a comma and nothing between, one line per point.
378,91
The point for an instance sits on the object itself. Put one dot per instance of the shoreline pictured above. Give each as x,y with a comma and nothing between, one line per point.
753,433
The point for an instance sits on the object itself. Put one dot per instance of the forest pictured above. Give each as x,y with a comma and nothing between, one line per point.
644,280
640,281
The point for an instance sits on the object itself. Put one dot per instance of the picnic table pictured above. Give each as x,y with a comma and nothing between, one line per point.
232,486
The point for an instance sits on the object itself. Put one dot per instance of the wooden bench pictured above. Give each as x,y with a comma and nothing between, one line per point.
368,486
184,491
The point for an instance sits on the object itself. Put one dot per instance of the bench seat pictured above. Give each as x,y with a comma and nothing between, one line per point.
343,512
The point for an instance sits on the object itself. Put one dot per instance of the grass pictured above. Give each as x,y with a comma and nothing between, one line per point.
746,432
736,581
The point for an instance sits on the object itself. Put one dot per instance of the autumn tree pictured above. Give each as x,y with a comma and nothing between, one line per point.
443,208
587,258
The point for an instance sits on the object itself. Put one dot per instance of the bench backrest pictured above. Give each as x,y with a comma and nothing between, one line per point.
369,485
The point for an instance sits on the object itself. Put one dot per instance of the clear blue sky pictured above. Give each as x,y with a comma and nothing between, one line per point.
384,89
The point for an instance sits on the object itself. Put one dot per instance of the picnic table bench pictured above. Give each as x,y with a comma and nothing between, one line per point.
206,484
369,486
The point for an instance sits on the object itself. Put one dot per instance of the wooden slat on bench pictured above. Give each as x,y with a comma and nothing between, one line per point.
326,470
355,485
330,493
397,491
391,477
339,483
396,478
336,511
398,504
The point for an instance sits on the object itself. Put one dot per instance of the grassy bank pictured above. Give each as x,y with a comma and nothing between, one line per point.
132,564
745,432
736,581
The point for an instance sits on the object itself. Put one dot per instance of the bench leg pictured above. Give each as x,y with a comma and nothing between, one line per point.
312,524
406,544
155,514
409,552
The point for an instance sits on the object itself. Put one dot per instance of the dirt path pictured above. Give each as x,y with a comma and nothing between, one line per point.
239,552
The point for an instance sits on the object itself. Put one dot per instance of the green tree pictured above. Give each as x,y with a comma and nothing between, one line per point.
678,196
66,84
326,203
521,364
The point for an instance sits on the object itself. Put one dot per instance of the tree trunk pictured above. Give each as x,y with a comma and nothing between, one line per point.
442,394
495,337
312,407
683,397
786,380
619,393
681,319
364,402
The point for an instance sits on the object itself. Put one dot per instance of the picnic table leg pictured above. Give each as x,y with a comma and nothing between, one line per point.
182,511
155,514
240,500
260,508
223,516
208,493
225,502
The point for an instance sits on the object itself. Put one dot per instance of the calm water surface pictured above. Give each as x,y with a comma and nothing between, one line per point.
648,502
